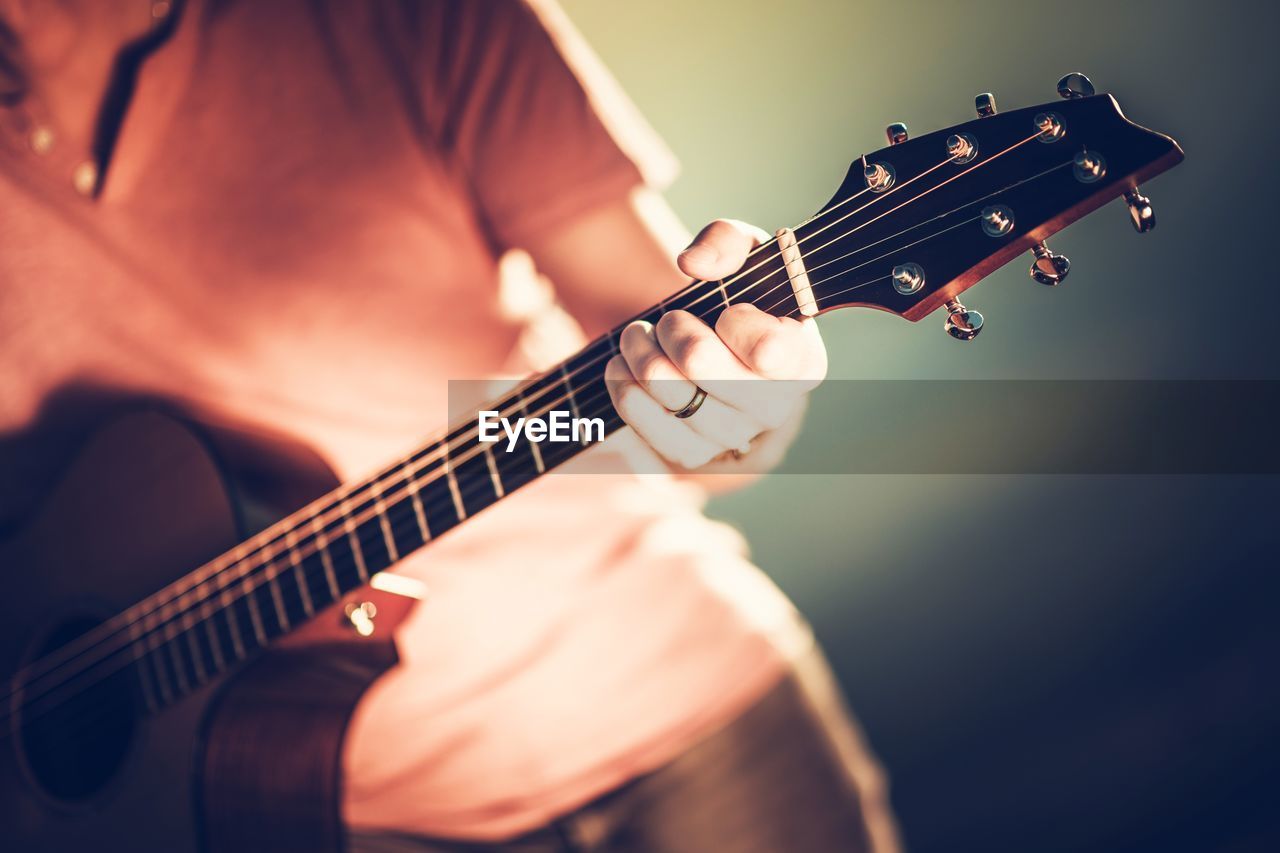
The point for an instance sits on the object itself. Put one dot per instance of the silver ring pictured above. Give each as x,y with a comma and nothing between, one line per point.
699,396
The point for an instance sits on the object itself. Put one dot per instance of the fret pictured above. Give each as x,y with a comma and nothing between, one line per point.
478,482
380,509
251,601
304,591
419,513
493,470
277,599
524,408
724,293
573,404
356,550
453,484
232,624
326,559
347,570
438,502
188,657
516,464
371,534
162,680
179,670
197,655
404,527
205,617
139,665
215,644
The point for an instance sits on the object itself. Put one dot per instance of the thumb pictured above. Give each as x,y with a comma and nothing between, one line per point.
720,249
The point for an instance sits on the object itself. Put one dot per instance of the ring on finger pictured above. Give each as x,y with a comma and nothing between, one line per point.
699,397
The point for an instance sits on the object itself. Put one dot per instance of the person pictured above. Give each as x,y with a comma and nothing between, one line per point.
305,218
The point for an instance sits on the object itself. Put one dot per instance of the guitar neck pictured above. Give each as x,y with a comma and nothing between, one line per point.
278,580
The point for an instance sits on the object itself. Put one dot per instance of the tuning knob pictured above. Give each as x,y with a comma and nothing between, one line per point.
985,104
962,324
1048,268
1140,212
1075,85
896,133
879,177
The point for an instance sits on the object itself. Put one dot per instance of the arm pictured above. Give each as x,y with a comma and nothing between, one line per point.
757,370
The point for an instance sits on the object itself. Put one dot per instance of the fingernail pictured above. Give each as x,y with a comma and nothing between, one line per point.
700,254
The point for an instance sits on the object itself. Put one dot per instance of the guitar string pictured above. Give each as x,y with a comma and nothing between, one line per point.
398,498
185,606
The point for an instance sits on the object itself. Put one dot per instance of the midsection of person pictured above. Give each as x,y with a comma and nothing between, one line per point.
278,245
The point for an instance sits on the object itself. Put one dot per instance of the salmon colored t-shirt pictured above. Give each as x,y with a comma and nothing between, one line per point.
300,230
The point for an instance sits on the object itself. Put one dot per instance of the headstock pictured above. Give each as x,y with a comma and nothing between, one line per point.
916,224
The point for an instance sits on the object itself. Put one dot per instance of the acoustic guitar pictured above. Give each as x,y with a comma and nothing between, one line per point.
175,681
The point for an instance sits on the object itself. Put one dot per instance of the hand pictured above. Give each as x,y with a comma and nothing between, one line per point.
756,369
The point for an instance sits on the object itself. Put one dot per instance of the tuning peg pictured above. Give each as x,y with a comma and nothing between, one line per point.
896,133
1140,212
985,104
962,324
1048,268
1075,85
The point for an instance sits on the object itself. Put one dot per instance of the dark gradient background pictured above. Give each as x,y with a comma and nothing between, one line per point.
1043,662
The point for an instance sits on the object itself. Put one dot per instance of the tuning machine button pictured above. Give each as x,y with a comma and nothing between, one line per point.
908,278
879,176
962,147
1140,212
1075,85
896,133
1048,268
962,323
985,104
997,220
1050,126
1089,166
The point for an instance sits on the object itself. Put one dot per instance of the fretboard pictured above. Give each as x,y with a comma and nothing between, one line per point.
278,580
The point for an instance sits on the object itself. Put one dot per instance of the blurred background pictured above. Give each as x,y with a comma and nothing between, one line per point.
1042,662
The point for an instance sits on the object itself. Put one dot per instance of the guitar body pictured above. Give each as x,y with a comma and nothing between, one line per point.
251,761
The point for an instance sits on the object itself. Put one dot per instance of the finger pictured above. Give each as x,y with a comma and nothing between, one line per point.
723,425
670,436
720,249
699,354
651,367
774,347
